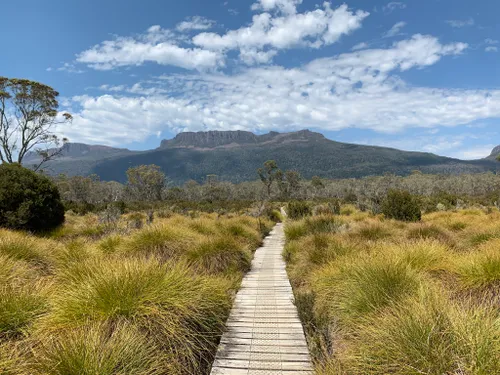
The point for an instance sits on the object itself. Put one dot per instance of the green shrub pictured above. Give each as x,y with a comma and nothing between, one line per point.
298,209
401,205
28,201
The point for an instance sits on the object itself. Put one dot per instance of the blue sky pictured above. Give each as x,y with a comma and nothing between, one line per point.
418,75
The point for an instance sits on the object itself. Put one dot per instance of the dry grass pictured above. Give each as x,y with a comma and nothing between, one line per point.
383,297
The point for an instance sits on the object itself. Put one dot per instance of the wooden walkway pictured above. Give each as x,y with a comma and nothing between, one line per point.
264,335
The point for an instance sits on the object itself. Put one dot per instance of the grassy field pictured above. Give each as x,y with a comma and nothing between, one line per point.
384,297
122,298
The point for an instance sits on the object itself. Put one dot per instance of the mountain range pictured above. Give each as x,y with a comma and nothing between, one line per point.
235,156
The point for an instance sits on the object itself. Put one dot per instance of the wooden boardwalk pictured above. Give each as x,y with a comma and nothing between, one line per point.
264,335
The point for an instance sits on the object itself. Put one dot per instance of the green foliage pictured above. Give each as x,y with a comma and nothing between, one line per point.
146,182
401,205
28,201
35,107
298,209
268,174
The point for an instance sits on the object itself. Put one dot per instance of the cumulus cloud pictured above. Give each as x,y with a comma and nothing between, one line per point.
491,49
395,30
195,23
156,45
285,6
359,89
309,29
461,23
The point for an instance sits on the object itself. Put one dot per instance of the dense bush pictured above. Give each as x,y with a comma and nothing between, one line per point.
401,205
28,200
298,209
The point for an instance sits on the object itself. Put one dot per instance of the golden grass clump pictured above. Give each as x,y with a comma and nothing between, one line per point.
181,312
428,335
480,268
356,286
218,255
21,297
25,247
95,349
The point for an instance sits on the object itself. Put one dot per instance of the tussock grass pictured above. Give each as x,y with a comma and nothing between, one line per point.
180,312
111,244
165,242
22,246
480,268
95,349
428,335
218,255
91,299
21,300
350,288
294,230
400,298
420,255
371,231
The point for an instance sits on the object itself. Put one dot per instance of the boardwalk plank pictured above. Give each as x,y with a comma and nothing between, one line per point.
263,333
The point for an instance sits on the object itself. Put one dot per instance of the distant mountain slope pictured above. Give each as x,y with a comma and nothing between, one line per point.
236,155
77,158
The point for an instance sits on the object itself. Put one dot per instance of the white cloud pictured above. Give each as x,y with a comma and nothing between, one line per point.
157,45
285,6
359,46
195,23
461,23
491,49
312,29
359,89
395,30
491,41
392,6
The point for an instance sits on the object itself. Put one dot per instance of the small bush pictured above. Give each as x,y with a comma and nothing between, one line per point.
401,205
275,215
28,201
298,209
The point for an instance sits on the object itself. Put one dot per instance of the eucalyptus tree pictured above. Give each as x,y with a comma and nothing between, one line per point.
28,117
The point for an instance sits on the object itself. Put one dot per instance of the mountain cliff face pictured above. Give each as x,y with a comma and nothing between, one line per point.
238,138
236,155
